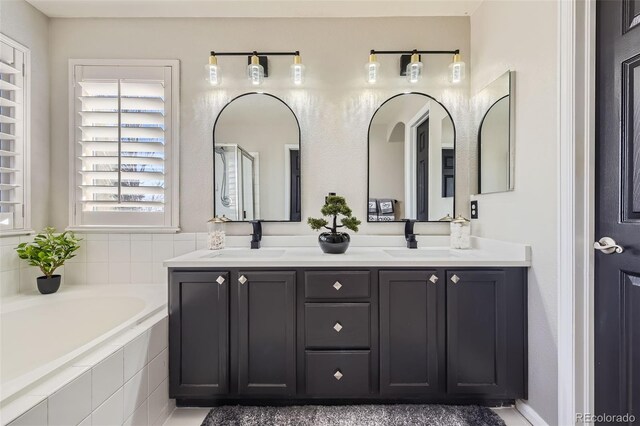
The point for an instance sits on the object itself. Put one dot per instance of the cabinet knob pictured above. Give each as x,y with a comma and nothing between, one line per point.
433,279
220,280
337,285
242,279
455,279
337,375
337,327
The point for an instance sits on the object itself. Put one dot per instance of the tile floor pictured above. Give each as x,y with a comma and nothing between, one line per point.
194,417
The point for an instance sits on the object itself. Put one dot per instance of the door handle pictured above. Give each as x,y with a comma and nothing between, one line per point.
608,245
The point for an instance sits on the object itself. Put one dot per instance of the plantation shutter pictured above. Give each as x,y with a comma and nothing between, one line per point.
123,133
13,135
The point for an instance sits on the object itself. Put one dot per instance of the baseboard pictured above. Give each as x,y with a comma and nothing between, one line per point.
530,414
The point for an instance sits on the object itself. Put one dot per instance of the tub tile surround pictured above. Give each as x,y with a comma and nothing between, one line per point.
123,382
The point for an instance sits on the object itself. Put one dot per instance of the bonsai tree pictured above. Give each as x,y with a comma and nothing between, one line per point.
335,205
48,250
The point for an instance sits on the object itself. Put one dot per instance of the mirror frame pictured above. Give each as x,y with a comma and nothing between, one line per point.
215,124
512,137
455,159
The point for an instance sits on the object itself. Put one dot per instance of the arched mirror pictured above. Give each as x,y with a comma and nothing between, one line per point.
256,143
495,136
412,151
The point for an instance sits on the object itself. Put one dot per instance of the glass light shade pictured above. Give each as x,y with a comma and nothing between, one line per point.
456,70
297,71
213,71
255,71
414,69
372,67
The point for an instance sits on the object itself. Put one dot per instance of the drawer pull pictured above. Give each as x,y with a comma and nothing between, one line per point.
337,327
243,279
455,279
337,375
433,279
220,280
337,285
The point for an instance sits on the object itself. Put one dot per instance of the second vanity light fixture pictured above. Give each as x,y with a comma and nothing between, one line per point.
257,68
411,64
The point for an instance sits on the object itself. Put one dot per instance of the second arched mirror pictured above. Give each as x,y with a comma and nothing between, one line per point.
256,141
412,142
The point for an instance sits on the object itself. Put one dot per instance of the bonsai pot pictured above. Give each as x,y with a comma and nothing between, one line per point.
48,285
334,243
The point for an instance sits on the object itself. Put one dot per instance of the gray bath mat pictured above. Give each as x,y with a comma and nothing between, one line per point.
353,415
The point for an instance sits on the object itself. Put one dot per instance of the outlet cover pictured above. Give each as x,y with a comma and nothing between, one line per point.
474,209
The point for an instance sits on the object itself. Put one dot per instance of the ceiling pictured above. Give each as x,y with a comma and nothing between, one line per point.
252,8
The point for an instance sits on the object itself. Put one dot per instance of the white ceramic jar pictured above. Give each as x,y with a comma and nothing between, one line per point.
460,233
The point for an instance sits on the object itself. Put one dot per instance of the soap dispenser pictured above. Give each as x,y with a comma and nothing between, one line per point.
460,233
217,233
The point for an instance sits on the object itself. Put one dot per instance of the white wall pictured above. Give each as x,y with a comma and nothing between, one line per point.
28,26
334,106
522,36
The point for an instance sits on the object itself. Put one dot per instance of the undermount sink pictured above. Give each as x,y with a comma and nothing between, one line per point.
248,253
421,253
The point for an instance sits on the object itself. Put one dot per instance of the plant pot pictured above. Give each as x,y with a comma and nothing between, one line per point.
48,285
332,243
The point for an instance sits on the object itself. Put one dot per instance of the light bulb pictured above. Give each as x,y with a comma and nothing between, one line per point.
297,70
372,68
414,69
456,70
255,71
213,71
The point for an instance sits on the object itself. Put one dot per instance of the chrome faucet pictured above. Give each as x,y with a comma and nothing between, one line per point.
412,243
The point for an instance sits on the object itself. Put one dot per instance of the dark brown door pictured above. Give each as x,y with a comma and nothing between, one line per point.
199,336
409,330
617,279
422,171
266,327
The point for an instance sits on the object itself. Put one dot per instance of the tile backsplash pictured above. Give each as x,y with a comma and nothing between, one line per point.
101,259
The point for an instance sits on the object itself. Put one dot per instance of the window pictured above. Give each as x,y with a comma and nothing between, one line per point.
124,142
14,137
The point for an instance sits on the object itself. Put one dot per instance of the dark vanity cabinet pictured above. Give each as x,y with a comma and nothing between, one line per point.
319,334
199,334
266,324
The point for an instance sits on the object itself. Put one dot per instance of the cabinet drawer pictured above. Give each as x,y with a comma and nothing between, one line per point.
337,325
337,284
339,373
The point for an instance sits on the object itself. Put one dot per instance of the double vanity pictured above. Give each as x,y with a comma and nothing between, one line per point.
377,324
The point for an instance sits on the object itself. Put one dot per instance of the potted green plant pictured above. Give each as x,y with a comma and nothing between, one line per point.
49,251
334,242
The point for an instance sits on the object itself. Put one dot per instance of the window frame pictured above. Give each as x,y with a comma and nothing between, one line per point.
25,229
172,177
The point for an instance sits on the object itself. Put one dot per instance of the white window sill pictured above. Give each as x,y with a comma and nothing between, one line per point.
16,232
123,229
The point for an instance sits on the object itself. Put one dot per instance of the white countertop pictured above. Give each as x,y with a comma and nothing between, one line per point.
430,253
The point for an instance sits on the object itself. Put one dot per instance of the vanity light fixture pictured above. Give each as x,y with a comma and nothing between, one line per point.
456,70
372,68
213,70
411,64
257,68
414,68
297,70
255,71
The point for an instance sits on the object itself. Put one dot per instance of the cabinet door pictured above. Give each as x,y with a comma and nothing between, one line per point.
198,334
476,332
408,333
266,349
